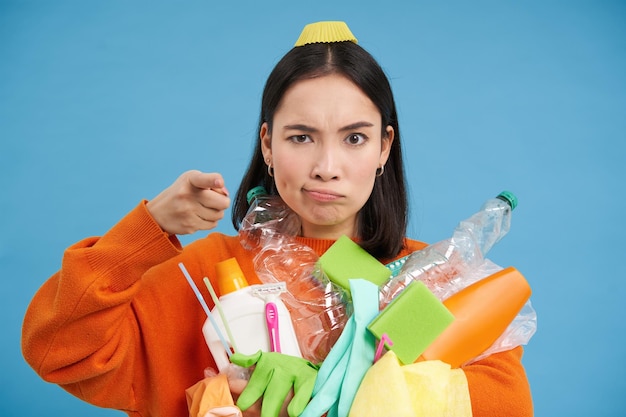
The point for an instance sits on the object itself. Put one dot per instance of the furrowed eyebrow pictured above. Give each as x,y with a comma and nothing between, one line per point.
300,127
356,126
309,129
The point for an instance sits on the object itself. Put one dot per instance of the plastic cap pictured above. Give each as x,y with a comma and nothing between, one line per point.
255,192
509,197
229,276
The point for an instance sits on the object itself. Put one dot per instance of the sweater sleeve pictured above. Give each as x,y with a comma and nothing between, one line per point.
498,386
80,328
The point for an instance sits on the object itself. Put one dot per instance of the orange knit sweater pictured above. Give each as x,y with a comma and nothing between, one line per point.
119,327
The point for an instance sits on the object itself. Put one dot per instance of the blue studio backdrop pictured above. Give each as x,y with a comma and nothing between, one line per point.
105,103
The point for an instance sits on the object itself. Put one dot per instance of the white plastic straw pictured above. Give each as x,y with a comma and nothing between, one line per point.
206,308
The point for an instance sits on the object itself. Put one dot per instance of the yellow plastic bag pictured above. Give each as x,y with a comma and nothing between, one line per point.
428,388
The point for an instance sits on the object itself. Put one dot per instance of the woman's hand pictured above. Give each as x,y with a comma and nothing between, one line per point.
195,201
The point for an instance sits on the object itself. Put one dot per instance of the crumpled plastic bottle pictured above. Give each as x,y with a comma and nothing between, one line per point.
443,265
267,218
450,265
319,308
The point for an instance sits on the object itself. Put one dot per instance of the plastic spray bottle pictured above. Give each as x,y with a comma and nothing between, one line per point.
247,310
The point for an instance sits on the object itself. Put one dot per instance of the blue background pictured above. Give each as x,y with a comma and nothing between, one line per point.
105,103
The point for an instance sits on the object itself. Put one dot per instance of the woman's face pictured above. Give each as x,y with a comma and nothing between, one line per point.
325,147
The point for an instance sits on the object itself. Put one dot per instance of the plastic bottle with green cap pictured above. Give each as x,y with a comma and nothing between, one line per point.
317,305
267,215
440,264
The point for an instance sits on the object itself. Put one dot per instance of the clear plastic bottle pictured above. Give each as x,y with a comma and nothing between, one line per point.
442,265
267,216
318,307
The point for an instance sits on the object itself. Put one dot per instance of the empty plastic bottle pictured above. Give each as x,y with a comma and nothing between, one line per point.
267,216
441,266
318,307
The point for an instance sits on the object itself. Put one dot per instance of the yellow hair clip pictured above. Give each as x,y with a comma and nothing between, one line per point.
325,32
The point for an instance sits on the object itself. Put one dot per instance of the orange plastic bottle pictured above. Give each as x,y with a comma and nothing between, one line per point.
482,312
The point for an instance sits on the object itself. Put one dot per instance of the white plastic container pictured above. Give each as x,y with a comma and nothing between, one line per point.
246,318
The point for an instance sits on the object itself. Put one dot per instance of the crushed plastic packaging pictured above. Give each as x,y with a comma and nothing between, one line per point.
319,308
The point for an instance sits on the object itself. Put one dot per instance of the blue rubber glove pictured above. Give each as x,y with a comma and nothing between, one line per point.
341,373
273,377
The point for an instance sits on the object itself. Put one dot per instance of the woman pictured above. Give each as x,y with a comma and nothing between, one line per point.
118,326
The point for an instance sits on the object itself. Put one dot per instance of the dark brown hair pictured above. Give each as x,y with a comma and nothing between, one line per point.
383,219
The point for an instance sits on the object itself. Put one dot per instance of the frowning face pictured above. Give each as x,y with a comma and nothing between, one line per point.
326,144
